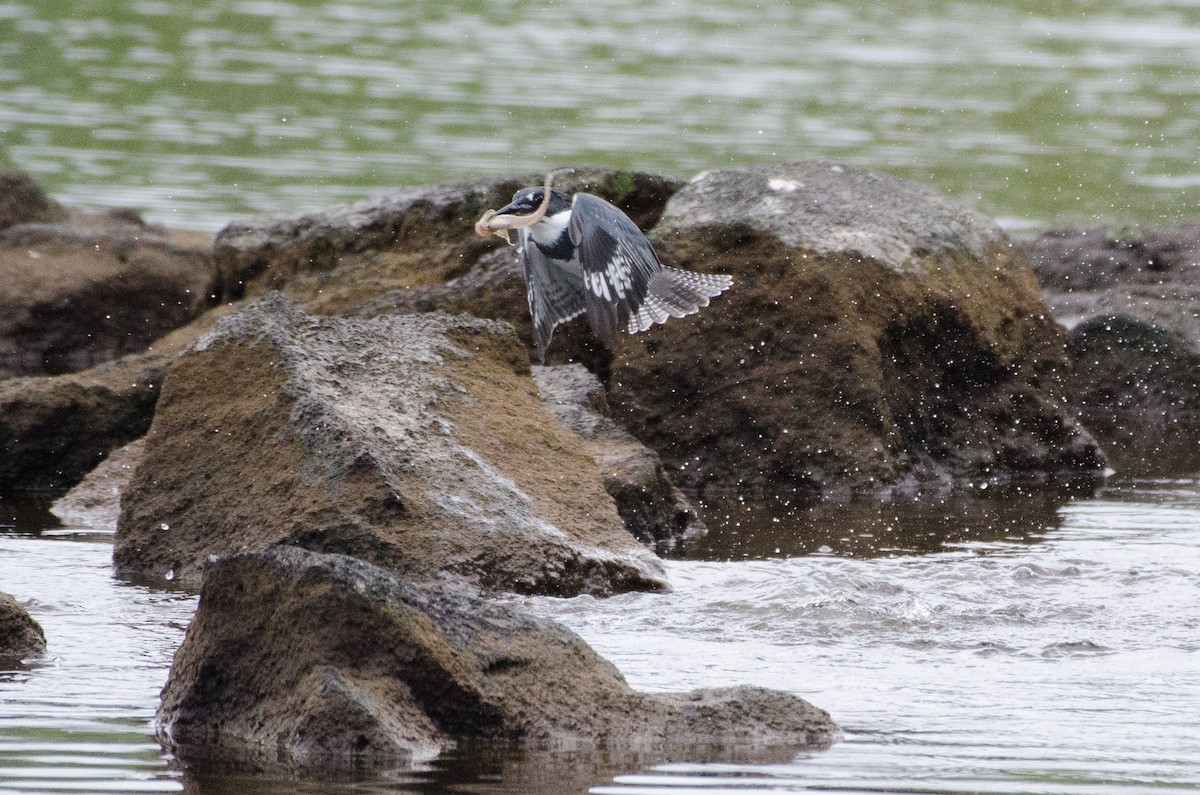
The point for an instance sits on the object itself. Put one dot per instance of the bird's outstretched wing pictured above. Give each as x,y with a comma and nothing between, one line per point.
555,295
616,261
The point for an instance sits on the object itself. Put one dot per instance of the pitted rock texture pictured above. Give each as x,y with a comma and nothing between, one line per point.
877,337
304,660
414,441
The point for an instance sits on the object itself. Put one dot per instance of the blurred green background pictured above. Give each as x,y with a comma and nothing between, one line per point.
1039,114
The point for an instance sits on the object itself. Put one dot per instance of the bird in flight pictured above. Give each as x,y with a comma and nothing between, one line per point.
582,254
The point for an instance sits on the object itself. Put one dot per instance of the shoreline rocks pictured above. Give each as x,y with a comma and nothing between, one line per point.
321,662
351,466
81,289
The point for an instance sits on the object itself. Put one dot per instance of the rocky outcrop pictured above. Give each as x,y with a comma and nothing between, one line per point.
653,509
20,636
323,661
337,258
1130,301
1137,387
417,442
81,289
22,201
877,337
413,251
56,429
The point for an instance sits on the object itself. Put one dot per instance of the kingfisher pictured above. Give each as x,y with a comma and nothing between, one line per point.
582,254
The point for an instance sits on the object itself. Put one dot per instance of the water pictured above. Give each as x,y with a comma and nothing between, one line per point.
1058,655
1039,114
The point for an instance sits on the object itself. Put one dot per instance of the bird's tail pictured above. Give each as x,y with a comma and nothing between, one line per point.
673,292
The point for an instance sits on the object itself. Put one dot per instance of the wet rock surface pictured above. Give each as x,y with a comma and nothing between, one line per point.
415,441
415,251
877,337
20,636
95,502
80,288
1130,300
308,660
653,509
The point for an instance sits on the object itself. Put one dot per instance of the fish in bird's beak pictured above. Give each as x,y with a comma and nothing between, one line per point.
516,215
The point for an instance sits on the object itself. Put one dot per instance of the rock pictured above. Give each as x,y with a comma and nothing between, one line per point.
20,636
878,337
95,502
1137,387
307,660
653,509
1130,301
415,251
22,201
417,442
81,289
56,429
1089,260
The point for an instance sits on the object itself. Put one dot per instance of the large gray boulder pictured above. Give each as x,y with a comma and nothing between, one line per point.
417,442
398,242
877,337
303,660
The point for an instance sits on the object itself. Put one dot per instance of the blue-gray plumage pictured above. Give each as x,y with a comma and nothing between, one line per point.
585,255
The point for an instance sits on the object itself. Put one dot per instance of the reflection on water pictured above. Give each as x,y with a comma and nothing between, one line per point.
1037,113
742,530
1055,651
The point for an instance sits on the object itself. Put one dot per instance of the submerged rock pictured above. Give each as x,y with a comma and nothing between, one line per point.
20,636
653,509
417,442
1130,300
877,337
82,288
320,661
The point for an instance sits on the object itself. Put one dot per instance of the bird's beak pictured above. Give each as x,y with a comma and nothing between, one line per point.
498,223
514,208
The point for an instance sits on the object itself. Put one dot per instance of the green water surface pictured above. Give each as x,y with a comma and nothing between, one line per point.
1037,113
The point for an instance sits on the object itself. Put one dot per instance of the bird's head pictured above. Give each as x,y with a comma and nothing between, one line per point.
526,201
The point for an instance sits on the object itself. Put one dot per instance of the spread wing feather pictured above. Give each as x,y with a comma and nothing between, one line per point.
625,284
555,295
617,264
